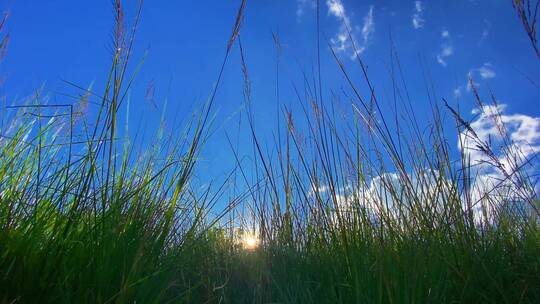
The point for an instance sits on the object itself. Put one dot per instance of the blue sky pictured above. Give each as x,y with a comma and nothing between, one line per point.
58,40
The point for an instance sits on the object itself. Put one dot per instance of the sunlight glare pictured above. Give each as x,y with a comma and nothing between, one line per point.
250,242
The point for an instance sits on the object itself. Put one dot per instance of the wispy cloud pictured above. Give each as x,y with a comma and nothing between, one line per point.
346,39
485,32
303,5
369,26
471,81
445,34
446,48
446,51
418,15
486,71
336,8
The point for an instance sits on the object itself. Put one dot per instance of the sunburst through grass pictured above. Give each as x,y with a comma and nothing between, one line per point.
250,242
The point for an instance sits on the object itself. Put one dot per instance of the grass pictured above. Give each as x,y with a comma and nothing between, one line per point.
97,221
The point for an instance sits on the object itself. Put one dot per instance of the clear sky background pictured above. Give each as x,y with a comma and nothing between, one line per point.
449,40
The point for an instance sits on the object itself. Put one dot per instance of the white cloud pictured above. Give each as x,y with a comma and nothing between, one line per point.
510,142
470,81
486,71
515,138
495,182
485,32
345,39
336,8
302,5
446,49
389,195
369,25
485,130
418,15
445,34
457,91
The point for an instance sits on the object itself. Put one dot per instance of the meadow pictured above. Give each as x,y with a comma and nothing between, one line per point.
345,211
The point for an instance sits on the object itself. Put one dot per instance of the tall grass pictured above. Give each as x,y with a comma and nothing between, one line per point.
96,220
365,212
357,206
527,11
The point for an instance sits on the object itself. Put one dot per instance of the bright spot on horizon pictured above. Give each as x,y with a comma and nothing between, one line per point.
250,242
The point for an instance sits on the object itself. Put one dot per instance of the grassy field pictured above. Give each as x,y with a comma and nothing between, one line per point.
102,222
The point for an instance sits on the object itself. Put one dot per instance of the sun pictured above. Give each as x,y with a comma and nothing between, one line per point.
250,242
